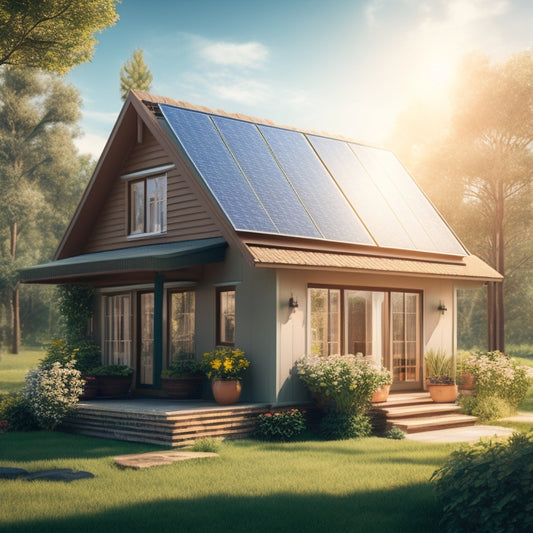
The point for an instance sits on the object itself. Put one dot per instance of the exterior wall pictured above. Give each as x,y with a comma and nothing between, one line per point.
187,218
438,330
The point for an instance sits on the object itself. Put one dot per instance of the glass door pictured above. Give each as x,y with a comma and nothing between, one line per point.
146,338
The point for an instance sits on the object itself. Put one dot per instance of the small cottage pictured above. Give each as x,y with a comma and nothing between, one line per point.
200,228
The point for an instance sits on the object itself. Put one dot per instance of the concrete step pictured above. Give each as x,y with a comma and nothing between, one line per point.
421,410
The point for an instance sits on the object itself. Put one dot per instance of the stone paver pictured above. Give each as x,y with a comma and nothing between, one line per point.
55,474
146,460
464,434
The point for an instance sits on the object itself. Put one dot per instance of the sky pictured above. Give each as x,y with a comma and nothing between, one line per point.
345,67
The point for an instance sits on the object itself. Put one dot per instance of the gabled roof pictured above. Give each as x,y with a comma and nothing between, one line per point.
281,195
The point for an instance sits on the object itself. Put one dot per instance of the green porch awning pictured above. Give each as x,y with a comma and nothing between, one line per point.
154,257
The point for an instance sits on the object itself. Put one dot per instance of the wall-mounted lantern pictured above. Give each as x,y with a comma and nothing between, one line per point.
293,304
442,308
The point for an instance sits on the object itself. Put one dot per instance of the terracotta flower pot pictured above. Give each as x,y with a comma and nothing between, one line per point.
381,394
226,392
443,393
467,381
114,386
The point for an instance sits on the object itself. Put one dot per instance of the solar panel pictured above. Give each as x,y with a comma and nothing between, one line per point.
324,201
361,192
443,238
218,169
266,178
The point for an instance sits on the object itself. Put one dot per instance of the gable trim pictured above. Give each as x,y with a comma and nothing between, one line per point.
147,172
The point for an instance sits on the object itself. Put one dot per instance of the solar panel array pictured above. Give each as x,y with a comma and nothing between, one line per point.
273,180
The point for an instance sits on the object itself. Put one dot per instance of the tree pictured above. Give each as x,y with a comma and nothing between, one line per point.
52,34
135,74
41,175
480,172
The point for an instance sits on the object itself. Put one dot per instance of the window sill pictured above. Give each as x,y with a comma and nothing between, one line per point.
145,235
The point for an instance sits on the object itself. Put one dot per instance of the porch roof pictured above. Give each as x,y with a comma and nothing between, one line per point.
155,257
469,268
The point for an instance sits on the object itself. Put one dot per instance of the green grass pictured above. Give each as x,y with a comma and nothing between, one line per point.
370,485
13,368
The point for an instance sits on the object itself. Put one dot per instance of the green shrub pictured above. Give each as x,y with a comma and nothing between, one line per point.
499,375
345,379
52,393
487,487
112,370
206,444
438,364
340,426
85,353
486,408
280,425
394,432
17,411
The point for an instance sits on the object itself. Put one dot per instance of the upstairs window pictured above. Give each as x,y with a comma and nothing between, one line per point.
148,205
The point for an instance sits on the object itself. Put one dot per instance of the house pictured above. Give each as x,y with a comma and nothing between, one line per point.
200,228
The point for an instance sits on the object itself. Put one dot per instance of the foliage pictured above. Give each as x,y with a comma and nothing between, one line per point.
499,375
394,433
135,74
438,364
86,355
76,308
16,409
282,425
206,444
225,362
112,370
183,365
345,379
487,486
338,426
53,393
486,408
52,34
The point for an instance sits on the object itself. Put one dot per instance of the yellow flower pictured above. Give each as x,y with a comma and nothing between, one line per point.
228,364
215,364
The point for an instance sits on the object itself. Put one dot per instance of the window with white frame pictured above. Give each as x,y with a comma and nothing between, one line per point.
117,348
148,205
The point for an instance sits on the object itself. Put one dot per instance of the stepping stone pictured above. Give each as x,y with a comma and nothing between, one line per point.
146,460
59,474
12,473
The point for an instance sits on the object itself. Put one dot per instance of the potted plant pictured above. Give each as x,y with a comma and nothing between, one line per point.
183,379
383,385
225,367
114,381
465,374
440,381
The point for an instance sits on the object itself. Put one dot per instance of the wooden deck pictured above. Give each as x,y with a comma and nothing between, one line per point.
174,423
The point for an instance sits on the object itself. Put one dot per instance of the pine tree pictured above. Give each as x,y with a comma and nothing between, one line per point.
135,74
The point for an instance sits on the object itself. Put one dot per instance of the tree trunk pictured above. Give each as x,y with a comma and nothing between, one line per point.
15,304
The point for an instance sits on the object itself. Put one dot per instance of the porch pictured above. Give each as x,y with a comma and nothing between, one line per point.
177,423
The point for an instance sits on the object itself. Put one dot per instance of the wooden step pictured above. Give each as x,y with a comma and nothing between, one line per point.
413,411
419,424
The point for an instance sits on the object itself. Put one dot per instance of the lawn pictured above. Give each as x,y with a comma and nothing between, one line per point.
357,485
13,368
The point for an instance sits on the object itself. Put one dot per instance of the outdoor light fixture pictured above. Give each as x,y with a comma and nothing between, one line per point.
293,304
442,308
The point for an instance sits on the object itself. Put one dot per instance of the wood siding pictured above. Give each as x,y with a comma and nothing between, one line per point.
187,217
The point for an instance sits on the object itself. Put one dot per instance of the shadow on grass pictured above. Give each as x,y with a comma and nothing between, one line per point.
50,445
406,509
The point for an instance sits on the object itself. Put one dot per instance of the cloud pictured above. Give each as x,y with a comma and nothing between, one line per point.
461,12
91,144
249,55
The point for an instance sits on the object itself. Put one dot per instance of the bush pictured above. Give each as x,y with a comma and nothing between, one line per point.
53,392
486,408
280,425
84,352
499,375
112,370
344,379
339,426
487,486
206,444
394,432
17,411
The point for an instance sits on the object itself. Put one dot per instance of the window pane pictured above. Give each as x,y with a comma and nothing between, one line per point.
117,330
405,336
226,316
182,325
137,207
325,321
156,205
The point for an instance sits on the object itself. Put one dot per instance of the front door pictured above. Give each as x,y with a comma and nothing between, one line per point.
146,339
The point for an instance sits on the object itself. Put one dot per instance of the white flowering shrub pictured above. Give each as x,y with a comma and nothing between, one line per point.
499,375
345,379
53,392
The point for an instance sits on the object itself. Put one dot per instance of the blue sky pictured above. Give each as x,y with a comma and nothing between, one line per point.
347,67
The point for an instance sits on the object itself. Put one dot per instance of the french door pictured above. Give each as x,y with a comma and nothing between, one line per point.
145,348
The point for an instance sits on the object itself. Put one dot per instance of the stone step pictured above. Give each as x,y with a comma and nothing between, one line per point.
420,410
420,424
